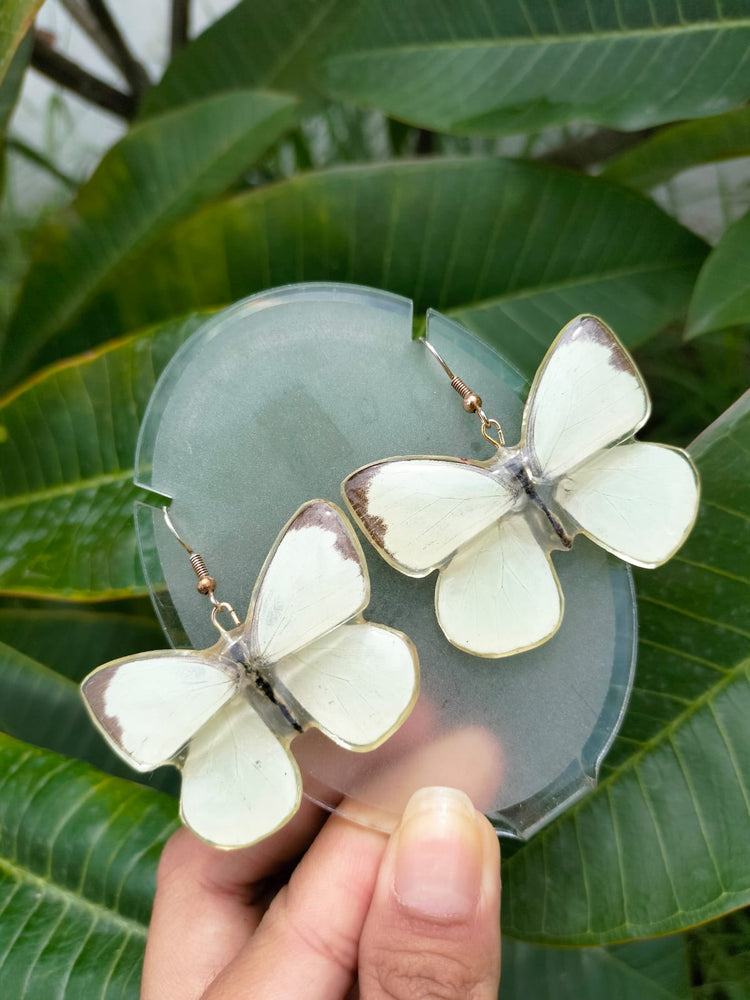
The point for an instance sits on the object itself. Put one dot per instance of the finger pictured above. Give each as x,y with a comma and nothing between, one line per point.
208,902
307,943
433,928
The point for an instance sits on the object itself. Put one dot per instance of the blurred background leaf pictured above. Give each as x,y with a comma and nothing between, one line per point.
510,247
159,172
679,147
15,20
279,46
468,69
722,291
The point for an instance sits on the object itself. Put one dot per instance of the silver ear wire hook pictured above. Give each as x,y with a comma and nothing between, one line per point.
471,400
206,583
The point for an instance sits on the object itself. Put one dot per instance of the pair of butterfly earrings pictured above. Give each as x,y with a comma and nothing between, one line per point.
305,657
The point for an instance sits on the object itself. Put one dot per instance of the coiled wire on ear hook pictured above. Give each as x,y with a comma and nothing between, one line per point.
471,400
206,583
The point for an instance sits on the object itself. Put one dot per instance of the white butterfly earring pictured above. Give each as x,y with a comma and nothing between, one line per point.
489,527
226,716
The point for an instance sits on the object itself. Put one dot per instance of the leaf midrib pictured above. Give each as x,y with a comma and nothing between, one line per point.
70,897
588,277
517,41
732,674
65,489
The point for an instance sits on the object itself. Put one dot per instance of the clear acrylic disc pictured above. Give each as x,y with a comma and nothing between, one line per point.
273,402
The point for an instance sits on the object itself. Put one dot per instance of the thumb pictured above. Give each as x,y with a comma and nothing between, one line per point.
433,927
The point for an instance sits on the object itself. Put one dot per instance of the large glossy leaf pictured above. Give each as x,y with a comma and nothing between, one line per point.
680,147
517,247
67,441
160,171
722,292
15,20
476,68
72,641
278,45
643,970
78,852
661,844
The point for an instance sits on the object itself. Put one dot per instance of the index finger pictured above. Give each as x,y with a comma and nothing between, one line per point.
209,902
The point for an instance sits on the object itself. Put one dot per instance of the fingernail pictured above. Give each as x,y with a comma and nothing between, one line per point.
438,865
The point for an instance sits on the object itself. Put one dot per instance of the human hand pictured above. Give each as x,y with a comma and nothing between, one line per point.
416,915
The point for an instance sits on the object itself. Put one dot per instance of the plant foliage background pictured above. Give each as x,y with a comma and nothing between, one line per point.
511,164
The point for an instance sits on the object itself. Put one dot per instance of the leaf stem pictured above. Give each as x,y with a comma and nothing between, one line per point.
180,25
119,52
40,160
70,75
110,43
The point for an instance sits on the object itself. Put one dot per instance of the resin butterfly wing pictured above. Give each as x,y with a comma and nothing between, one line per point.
354,680
239,780
588,399
497,590
419,511
149,706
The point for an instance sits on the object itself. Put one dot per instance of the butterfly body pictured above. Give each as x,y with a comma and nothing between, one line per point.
489,528
254,678
226,716
539,492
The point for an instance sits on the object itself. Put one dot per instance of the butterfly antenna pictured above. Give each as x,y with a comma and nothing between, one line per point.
472,401
206,583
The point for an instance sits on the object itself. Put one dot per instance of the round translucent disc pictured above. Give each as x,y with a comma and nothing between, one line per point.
273,402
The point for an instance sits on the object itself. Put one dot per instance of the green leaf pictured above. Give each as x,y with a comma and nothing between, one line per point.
277,45
15,20
680,147
692,382
10,88
72,641
160,171
11,85
470,69
643,970
662,844
78,853
67,442
516,248
722,292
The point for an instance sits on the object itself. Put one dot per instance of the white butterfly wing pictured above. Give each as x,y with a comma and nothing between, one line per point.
314,579
357,684
500,594
418,511
637,500
239,782
587,395
148,706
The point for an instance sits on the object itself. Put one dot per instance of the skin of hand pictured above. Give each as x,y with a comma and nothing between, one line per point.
358,915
